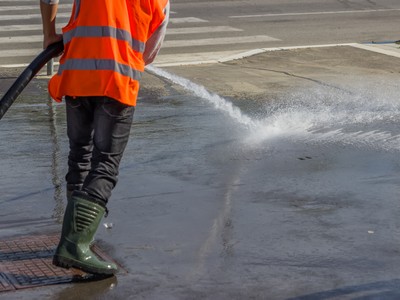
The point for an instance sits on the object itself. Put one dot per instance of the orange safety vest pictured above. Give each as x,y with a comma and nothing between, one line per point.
104,43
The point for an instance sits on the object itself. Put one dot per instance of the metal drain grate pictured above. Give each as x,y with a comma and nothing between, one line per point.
25,262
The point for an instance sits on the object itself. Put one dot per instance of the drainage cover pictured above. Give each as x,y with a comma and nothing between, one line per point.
25,262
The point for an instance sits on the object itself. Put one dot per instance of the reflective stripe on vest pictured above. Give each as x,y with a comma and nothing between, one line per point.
104,44
104,31
77,4
99,64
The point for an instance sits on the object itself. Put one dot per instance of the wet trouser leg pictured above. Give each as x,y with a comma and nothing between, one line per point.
98,131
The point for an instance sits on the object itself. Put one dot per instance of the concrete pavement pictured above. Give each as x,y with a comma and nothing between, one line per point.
274,71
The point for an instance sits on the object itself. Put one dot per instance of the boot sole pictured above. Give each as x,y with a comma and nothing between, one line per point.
67,263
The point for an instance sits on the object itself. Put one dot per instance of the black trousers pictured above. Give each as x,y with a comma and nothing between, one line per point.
98,131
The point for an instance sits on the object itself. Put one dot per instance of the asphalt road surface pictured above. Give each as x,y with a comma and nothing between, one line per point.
198,28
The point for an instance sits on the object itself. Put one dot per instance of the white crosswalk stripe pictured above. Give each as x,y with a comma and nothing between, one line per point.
28,27
21,39
28,7
218,41
29,16
21,36
209,29
32,1
186,20
19,52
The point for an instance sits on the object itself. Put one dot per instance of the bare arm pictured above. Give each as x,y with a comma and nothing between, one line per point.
154,43
48,9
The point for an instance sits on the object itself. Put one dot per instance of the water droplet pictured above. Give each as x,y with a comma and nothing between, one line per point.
108,225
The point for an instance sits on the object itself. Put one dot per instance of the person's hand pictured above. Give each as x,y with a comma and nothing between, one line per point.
48,40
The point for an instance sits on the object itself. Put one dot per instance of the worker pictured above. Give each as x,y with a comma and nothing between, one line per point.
107,44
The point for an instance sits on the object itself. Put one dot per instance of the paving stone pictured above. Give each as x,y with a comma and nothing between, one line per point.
26,262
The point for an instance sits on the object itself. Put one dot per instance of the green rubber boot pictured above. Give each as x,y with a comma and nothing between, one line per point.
81,220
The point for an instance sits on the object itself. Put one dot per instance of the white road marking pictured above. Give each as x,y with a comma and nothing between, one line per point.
29,16
68,14
219,41
317,13
33,1
170,31
225,56
212,57
39,38
393,51
23,65
186,20
6,28
205,29
20,52
29,7
192,58
26,27
21,39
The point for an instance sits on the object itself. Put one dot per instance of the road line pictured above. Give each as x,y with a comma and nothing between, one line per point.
219,41
318,13
26,27
21,39
33,1
186,20
68,14
170,31
395,52
39,38
225,56
24,66
29,16
20,52
170,60
191,58
29,7
29,27
205,29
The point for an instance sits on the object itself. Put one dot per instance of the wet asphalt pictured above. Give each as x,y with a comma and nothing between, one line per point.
271,177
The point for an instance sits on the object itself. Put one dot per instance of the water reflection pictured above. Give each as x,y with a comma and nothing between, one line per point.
55,162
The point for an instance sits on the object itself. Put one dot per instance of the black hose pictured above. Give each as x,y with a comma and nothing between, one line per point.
26,76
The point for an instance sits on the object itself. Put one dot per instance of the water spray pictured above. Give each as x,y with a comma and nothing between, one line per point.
217,101
320,116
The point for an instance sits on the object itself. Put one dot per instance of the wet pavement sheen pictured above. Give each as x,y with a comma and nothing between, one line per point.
291,193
